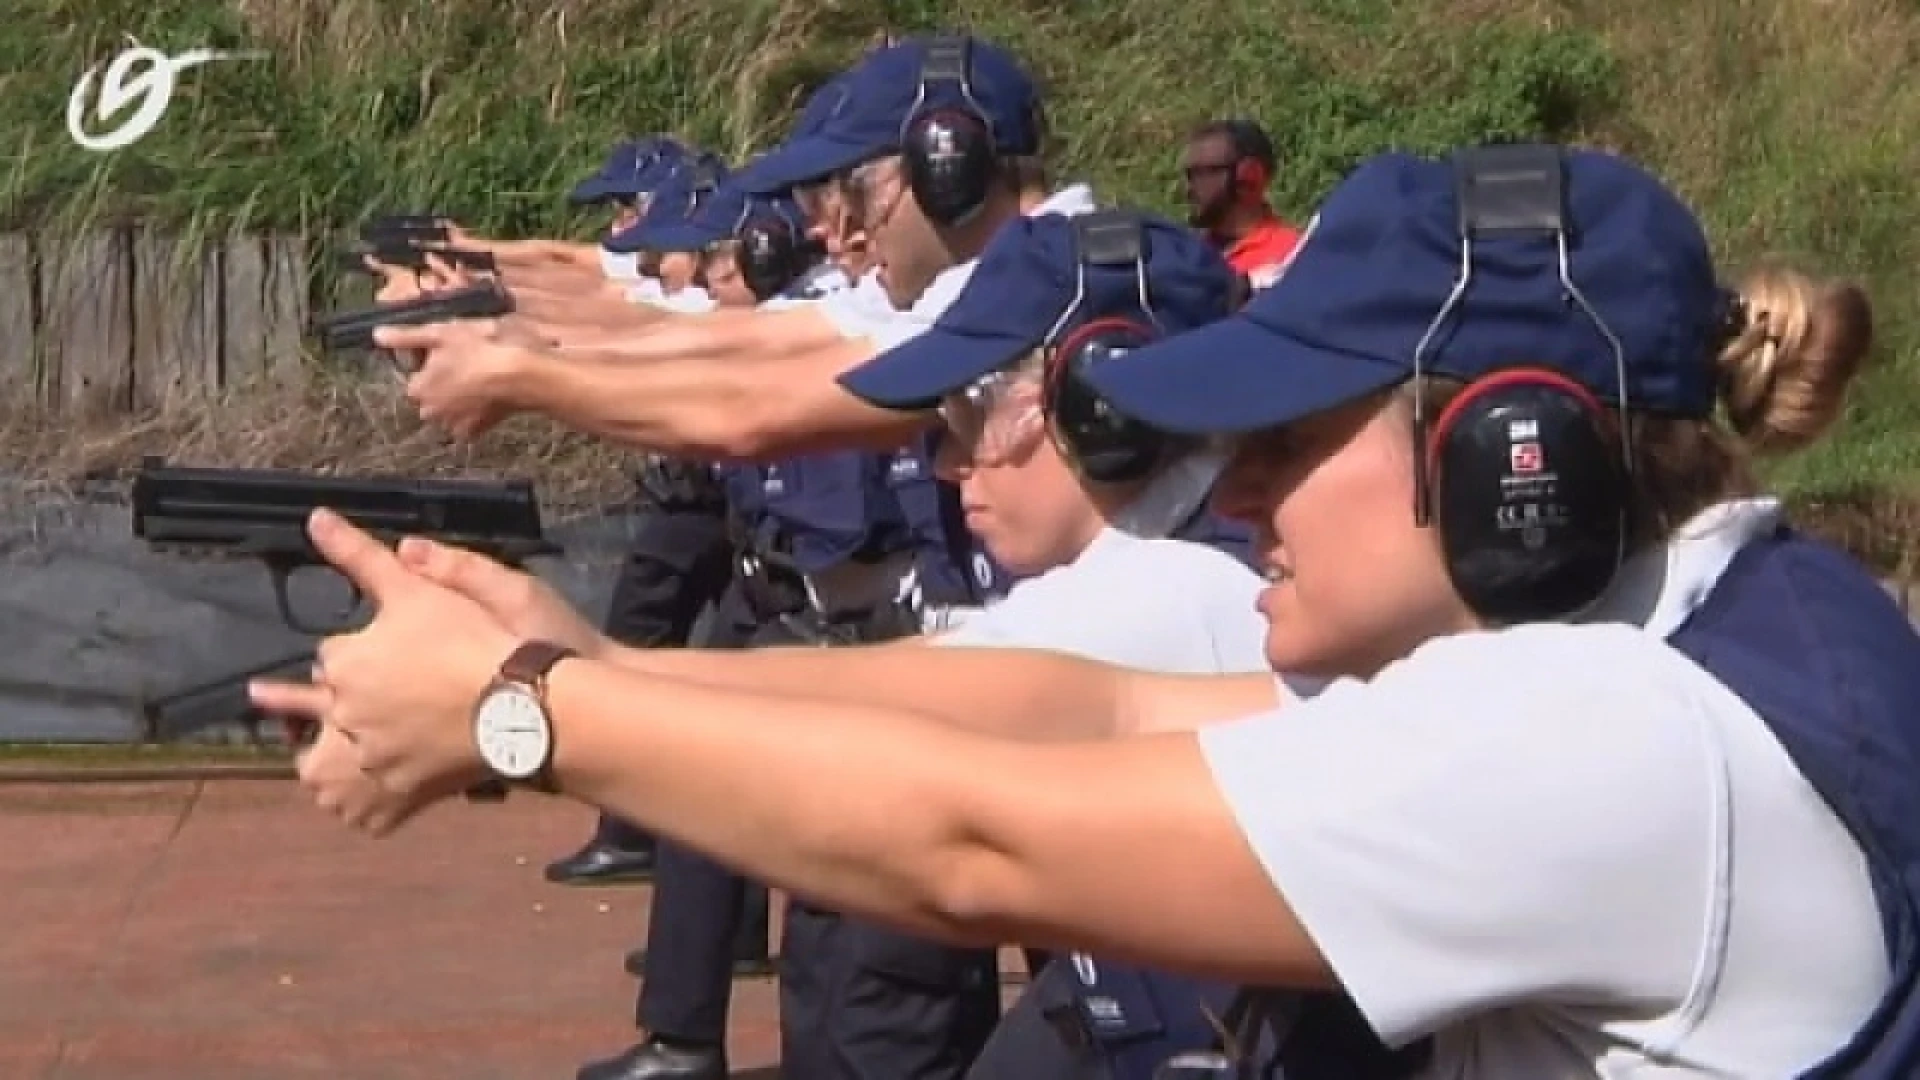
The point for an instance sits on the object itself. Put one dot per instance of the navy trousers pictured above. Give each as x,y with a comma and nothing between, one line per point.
703,915
680,563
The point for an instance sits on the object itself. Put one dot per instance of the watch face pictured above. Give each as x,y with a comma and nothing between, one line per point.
513,734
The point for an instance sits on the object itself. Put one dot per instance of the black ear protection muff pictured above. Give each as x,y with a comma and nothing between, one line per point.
1525,473
770,252
948,150
1099,442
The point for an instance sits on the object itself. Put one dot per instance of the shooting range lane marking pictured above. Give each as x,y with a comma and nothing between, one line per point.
137,890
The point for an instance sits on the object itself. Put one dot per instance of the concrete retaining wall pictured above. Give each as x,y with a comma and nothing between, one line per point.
92,624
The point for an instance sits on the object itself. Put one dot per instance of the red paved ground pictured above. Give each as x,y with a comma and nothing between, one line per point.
228,931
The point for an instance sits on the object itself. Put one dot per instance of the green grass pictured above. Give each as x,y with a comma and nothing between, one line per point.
1795,126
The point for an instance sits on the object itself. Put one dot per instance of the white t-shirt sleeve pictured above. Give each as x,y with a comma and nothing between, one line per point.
856,312
691,300
856,315
1159,605
1499,816
942,291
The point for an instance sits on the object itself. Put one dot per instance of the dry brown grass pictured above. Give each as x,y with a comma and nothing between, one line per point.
337,425
1880,528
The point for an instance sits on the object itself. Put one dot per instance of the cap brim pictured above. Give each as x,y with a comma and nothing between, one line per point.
680,237
629,240
1235,376
808,158
936,362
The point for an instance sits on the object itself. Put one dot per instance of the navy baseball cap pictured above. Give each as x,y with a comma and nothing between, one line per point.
694,181
822,103
884,89
718,217
1377,264
634,167
1026,292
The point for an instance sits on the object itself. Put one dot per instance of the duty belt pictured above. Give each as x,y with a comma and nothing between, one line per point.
888,621
674,484
771,589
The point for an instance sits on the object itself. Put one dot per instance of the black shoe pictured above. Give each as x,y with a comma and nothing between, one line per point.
601,864
653,1060
744,967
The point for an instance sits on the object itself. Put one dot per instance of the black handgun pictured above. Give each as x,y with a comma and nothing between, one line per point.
412,229
414,258
354,329
262,513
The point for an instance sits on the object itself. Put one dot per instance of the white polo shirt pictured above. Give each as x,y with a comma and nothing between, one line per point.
623,269
1566,850
692,300
1150,603
855,315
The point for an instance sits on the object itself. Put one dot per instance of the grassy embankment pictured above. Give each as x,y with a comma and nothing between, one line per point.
1795,125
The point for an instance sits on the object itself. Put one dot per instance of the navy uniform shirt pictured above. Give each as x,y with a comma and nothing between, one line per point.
822,510
951,565
818,511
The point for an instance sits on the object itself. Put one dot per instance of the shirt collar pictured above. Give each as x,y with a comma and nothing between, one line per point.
1661,589
1070,200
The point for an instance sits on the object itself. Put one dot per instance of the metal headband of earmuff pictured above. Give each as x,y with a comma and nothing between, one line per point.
1105,238
1507,190
947,61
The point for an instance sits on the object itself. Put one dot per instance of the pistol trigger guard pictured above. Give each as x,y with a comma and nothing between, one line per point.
353,604
282,574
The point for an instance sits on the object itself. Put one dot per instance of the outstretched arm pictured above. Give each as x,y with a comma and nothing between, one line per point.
751,384
1024,694
876,811
900,818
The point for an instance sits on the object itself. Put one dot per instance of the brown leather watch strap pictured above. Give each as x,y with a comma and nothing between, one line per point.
528,665
530,662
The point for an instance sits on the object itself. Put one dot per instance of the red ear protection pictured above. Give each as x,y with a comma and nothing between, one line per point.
1250,179
1530,487
1102,444
1470,397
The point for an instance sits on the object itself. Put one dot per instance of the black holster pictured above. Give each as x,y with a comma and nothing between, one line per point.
890,621
678,485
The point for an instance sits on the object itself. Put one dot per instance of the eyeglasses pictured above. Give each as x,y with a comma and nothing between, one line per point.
861,188
988,420
1201,170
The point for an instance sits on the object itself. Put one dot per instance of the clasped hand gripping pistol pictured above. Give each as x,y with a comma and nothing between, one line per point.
406,240
262,513
354,329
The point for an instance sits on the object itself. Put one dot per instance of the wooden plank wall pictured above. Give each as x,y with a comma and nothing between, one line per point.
123,319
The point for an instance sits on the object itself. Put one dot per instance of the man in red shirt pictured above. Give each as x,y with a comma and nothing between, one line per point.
1228,166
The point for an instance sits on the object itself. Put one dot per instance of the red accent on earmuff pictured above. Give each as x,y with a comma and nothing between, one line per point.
1496,380
1250,179
1055,362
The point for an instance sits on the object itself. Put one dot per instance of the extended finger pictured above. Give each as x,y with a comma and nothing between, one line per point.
424,336
368,563
289,699
493,586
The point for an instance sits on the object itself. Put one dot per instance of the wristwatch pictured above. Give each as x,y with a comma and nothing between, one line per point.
511,725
